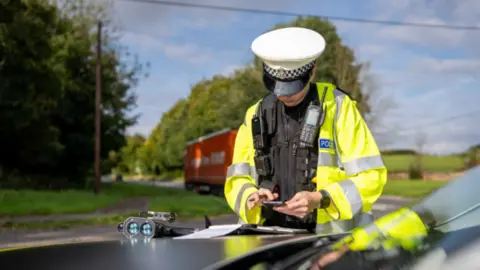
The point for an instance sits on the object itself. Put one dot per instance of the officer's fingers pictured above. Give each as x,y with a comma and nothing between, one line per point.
284,210
296,197
267,193
297,204
301,212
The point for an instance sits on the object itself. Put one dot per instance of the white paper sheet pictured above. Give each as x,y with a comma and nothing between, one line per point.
211,232
276,229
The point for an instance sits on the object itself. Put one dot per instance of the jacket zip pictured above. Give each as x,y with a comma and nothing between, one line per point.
287,151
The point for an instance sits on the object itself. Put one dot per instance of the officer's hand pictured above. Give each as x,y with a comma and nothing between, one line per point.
303,203
258,197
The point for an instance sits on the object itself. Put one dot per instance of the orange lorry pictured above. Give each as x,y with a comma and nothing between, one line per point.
206,161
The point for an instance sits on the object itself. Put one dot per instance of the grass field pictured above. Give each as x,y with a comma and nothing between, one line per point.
28,202
186,207
411,188
186,204
399,163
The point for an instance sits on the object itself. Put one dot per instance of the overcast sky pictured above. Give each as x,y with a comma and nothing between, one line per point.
432,74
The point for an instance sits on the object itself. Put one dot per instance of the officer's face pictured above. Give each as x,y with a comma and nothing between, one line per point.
294,99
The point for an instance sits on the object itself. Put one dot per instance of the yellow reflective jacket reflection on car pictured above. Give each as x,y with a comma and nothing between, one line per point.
403,227
350,169
238,246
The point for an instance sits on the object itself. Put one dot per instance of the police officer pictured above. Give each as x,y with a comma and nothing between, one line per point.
305,144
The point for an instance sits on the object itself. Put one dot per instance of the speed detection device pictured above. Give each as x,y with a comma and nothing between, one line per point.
152,224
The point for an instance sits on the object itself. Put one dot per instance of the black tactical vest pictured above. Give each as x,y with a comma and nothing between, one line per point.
293,168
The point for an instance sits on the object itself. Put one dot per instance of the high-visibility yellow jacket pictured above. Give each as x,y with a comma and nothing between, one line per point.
350,167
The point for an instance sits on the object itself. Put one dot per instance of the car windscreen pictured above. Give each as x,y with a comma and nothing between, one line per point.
456,205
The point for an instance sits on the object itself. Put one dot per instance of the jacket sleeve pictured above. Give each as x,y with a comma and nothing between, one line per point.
362,162
241,174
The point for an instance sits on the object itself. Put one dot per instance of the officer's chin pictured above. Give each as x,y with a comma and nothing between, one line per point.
291,104
290,101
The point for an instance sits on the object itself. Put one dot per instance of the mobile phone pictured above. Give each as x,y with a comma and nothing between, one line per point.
273,203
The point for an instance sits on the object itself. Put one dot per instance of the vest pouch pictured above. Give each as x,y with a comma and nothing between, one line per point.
308,222
267,184
263,165
305,170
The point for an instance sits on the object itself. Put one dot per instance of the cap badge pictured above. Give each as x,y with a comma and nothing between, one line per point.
281,74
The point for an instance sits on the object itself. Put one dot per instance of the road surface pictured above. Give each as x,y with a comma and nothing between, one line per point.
169,184
12,239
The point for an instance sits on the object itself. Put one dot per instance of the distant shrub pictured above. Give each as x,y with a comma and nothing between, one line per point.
398,152
472,158
415,172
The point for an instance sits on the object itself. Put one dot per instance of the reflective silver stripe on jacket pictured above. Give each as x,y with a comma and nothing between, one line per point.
341,226
357,165
349,189
326,159
352,194
339,96
238,201
362,164
242,169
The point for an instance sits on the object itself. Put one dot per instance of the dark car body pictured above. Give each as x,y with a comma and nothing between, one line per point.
453,240
160,253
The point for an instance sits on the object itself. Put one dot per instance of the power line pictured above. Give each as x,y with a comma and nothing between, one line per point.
292,14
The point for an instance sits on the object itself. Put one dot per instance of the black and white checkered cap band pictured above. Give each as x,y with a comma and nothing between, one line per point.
283,74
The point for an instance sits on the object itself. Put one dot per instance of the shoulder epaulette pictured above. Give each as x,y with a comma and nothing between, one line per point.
344,92
268,108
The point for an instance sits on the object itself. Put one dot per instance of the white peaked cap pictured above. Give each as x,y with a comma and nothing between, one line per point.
288,48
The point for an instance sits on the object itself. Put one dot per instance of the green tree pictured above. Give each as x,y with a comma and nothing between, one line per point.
146,155
32,83
472,157
172,137
128,157
47,89
222,101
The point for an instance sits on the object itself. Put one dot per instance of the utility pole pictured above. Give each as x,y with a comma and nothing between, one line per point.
98,102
